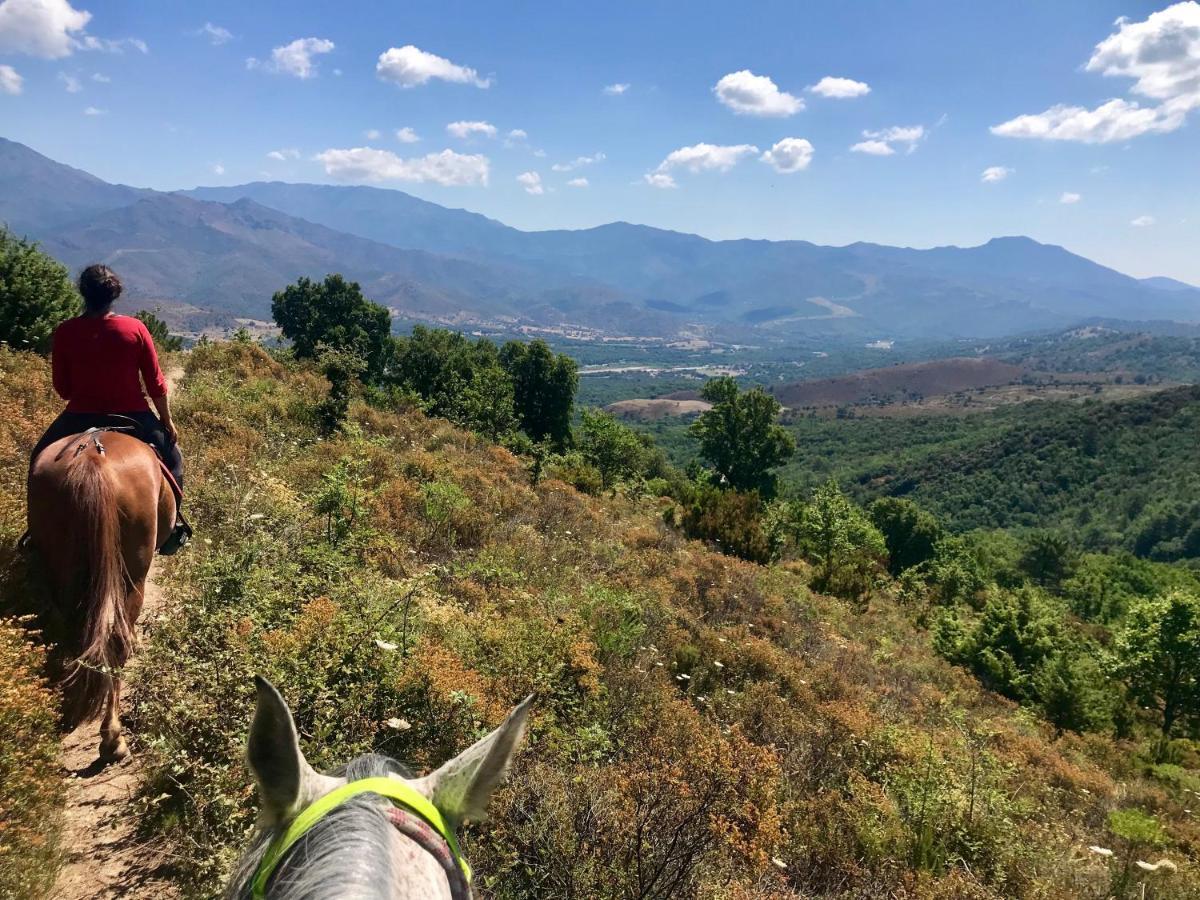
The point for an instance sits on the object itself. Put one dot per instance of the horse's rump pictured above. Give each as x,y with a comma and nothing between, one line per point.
96,513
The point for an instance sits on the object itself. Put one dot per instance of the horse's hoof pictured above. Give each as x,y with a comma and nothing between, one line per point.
114,753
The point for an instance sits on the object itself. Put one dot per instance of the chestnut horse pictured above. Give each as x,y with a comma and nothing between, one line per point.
99,508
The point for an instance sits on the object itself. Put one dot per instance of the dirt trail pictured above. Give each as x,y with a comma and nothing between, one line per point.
103,856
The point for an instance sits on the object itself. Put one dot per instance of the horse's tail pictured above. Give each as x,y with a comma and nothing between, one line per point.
95,535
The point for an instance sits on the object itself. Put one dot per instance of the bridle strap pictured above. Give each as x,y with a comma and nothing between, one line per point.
394,789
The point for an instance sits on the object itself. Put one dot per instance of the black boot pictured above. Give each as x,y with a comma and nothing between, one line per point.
178,539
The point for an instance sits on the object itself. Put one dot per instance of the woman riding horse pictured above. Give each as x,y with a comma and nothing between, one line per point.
97,359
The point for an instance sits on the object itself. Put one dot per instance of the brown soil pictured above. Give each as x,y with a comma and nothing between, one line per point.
902,383
652,410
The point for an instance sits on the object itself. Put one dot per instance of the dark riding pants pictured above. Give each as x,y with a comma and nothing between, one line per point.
152,433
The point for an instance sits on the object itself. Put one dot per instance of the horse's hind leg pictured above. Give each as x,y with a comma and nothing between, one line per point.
112,738
112,741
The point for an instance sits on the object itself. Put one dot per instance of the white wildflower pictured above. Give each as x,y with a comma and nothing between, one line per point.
1163,865
1100,851
778,863
385,645
398,724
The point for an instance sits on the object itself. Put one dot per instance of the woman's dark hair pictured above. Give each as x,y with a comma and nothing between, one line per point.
99,286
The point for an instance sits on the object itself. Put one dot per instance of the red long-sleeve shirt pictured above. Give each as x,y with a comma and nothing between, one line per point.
96,363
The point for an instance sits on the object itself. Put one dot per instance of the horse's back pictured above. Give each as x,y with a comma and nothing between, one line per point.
59,506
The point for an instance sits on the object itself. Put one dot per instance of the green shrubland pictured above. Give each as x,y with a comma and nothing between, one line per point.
725,723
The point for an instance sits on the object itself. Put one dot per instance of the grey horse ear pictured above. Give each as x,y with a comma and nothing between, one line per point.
462,787
286,782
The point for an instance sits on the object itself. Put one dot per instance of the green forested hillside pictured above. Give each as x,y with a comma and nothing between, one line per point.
1122,475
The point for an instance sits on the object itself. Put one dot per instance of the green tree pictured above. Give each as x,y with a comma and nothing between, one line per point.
911,533
838,538
164,341
334,314
544,386
616,450
740,438
1157,653
1049,559
456,378
36,294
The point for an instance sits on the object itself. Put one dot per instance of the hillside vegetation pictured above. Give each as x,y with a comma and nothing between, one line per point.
706,727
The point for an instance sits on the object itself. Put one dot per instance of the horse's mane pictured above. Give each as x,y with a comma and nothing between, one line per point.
346,854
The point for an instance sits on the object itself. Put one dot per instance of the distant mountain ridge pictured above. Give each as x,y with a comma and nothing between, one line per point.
228,248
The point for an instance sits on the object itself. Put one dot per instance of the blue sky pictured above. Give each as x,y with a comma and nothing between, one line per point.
718,132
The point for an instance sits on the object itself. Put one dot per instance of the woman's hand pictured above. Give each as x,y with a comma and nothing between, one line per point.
171,430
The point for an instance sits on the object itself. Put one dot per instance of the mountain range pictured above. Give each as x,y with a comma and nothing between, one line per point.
216,253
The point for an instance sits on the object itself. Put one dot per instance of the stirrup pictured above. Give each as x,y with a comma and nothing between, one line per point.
179,538
24,542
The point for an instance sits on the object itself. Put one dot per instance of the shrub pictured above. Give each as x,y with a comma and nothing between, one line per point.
31,786
730,520
36,294
838,539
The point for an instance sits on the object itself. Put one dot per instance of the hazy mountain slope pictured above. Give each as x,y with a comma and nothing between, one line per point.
1004,286
37,193
233,257
620,278
390,217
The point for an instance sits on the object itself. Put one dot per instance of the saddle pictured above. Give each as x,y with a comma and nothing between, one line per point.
123,425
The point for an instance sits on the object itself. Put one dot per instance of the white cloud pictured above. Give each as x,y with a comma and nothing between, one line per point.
616,90
372,134
410,66
295,59
1143,221
874,148
1116,120
1069,197
45,28
285,154
1161,54
518,134
95,111
101,78
578,163
532,182
840,88
995,173
789,155
218,169
10,81
215,33
577,183
367,164
748,94
71,84
879,143
107,45
706,157
698,158
539,153
406,135
464,130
